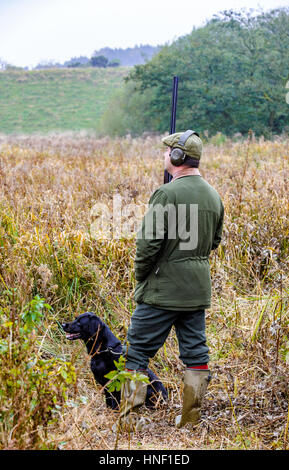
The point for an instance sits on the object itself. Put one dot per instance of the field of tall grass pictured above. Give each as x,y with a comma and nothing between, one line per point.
52,269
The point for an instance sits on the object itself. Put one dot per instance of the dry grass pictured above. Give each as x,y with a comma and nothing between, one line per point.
48,186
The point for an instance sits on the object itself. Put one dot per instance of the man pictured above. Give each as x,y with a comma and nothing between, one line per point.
183,224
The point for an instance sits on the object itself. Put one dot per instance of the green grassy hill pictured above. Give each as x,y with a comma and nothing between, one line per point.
55,99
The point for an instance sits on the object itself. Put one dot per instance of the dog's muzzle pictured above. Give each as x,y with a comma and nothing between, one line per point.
70,336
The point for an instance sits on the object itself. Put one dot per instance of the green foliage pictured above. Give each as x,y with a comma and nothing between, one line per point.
33,388
232,72
128,112
33,312
118,377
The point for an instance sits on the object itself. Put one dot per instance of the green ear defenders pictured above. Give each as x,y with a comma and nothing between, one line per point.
178,155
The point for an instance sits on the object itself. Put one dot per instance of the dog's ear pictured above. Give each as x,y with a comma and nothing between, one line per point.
95,326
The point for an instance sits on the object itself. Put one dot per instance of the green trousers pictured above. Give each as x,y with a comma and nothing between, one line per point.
150,327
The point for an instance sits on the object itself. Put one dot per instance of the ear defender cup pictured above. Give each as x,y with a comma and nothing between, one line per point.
177,155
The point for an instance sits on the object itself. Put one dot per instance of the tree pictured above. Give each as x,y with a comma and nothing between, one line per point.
99,61
233,73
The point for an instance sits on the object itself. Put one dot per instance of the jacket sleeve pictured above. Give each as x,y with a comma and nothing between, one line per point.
151,236
219,229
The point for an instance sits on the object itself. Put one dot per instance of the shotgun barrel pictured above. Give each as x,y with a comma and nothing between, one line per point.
167,176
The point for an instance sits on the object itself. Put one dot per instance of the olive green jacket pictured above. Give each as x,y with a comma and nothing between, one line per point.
170,274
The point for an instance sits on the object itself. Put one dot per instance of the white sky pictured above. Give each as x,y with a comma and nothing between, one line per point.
36,30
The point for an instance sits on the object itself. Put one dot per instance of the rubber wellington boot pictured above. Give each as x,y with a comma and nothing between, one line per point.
195,386
133,394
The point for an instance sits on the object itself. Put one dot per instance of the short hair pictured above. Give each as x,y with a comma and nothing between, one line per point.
191,162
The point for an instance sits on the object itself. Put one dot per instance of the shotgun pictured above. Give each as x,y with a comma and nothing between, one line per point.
167,176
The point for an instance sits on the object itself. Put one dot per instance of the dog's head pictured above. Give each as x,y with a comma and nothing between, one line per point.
86,326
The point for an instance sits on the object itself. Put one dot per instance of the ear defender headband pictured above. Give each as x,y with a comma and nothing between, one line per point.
177,155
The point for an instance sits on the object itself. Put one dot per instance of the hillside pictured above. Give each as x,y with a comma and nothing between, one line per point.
55,99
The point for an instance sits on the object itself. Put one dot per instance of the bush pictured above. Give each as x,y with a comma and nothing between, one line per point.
99,61
33,388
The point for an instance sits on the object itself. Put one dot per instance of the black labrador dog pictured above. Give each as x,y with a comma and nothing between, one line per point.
104,348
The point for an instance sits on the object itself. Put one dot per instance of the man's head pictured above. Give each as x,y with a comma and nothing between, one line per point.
187,144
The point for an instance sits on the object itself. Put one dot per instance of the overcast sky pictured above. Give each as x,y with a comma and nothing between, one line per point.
36,30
